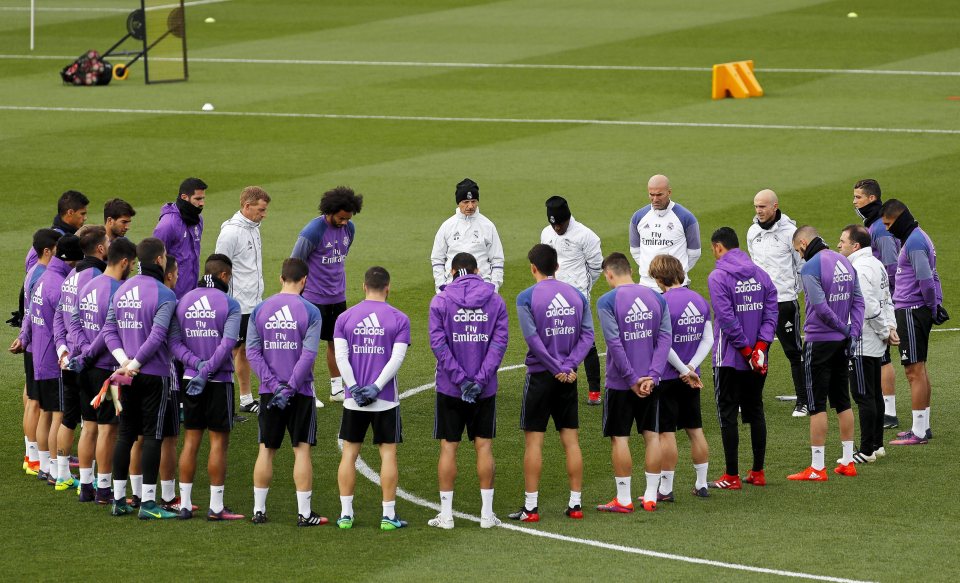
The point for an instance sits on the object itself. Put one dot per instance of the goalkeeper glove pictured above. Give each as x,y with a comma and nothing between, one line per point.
758,358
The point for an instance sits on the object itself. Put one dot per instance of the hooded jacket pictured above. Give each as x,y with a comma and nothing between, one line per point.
745,308
578,253
240,241
834,304
183,243
468,335
41,312
772,249
474,234
878,315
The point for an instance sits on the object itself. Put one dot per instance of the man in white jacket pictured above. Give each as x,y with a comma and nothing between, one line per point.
663,227
769,242
239,240
467,231
879,331
580,258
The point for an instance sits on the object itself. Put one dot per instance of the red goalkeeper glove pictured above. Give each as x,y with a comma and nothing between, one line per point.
758,359
747,353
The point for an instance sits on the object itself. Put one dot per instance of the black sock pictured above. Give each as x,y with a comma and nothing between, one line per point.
758,439
731,443
151,460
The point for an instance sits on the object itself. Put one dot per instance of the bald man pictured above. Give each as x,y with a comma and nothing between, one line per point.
663,227
769,242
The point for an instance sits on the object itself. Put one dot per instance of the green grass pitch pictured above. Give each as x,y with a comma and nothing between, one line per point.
898,520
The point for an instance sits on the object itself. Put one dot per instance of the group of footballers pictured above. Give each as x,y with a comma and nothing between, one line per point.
129,356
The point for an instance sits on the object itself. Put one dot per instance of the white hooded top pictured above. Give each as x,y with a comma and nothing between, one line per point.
239,240
878,315
772,249
476,235
578,253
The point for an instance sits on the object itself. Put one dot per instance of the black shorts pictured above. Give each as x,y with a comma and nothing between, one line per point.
826,376
913,327
298,419
452,415
738,391
328,318
70,404
387,427
885,357
545,397
242,336
51,394
624,409
33,391
679,406
212,409
150,407
91,380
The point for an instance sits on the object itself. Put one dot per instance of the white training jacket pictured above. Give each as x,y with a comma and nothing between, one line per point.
239,240
772,249
672,231
578,253
878,316
476,235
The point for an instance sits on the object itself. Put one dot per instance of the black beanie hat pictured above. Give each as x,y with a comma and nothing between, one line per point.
68,248
467,190
557,210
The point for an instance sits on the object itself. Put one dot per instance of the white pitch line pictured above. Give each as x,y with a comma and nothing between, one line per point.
505,120
946,329
367,472
544,66
103,9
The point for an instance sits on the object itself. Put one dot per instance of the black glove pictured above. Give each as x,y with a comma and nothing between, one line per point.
16,320
940,315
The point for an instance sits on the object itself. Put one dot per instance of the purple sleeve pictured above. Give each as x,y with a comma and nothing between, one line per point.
178,348
497,348
920,260
529,328
59,328
268,381
857,310
724,314
634,234
438,343
658,361
817,300
76,328
164,232
158,332
311,342
224,351
584,343
616,355
771,310
109,331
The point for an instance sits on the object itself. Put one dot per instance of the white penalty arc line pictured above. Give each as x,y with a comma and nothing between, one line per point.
367,472
491,120
543,66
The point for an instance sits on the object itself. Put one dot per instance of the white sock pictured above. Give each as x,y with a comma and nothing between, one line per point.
216,498
928,420
486,503
149,493
817,453
530,500
52,467
246,399
26,447
666,482
303,503
919,422
168,489
336,385
701,470
260,499
890,405
623,490
575,498
86,475
446,505
847,452
136,484
103,481
389,509
650,494
32,452
346,505
185,495
44,461
63,467
119,489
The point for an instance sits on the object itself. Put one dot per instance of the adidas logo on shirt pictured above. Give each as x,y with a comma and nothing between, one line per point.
638,312
131,299
70,284
751,285
465,315
841,273
37,299
560,307
201,309
370,326
282,319
691,315
89,302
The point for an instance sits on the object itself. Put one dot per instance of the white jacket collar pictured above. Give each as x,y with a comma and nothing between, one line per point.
860,254
464,217
244,221
664,212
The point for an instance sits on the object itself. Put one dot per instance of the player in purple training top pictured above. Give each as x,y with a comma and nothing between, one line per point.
918,305
636,325
371,341
681,384
886,248
468,335
831,332
94,361
203,333
323,245
745,313
180,228
282,341
556,323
